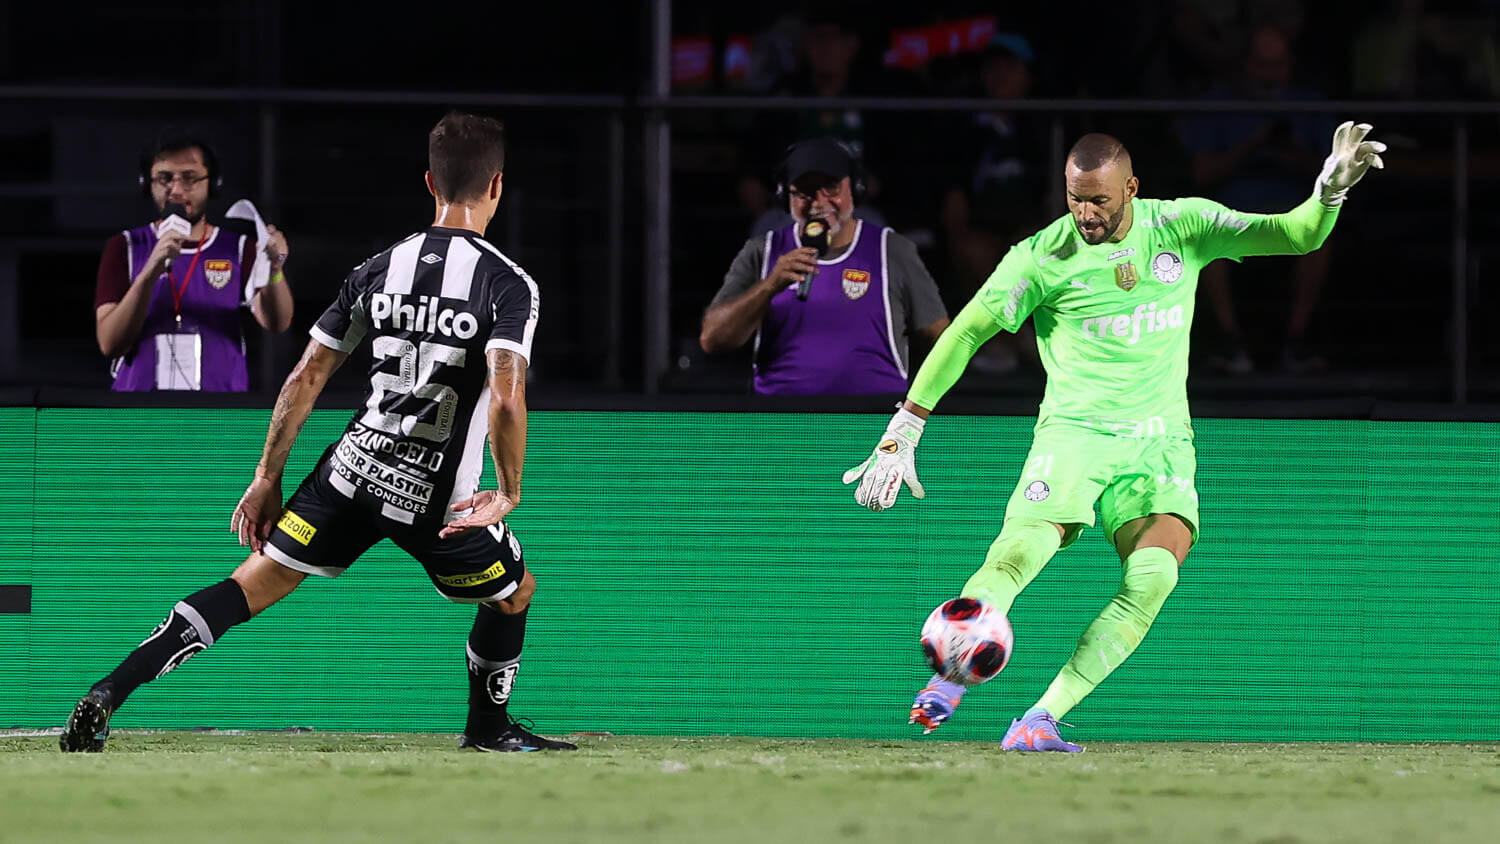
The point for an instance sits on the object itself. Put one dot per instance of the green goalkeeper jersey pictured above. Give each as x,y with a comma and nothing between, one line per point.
1113,319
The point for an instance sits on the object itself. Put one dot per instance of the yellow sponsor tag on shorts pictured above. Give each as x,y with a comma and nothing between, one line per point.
293,525
461,580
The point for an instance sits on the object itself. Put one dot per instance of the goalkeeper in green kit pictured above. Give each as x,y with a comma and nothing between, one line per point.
1110,288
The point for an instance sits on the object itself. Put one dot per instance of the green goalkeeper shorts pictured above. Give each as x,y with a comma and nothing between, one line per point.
1068,469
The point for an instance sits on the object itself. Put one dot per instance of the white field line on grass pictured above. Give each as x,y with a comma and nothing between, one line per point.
56,731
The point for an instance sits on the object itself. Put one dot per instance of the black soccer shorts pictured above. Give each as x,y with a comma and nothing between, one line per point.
323,532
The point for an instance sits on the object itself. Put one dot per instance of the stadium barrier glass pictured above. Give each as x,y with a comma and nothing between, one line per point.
707,573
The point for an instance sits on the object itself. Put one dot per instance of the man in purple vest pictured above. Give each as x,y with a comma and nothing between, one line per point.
831,325
169,293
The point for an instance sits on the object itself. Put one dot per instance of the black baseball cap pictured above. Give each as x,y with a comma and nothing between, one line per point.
820,155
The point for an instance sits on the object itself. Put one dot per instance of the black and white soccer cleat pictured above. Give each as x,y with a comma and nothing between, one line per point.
88,726
515,739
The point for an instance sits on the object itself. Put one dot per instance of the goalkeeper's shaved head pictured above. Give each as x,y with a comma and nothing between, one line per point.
1096,150
1100,186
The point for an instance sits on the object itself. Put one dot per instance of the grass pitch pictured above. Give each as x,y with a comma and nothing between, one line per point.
343,787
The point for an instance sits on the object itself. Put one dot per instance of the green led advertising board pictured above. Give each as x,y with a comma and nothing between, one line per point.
708,573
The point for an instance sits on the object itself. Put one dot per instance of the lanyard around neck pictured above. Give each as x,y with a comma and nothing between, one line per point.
179,291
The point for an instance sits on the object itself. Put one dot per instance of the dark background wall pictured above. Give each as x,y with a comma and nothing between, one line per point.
342,175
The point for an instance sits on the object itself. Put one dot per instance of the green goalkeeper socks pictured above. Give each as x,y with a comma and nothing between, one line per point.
1150,575
1014,559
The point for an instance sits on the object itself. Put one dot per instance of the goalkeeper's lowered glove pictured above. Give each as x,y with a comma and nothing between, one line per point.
1352,155
890,464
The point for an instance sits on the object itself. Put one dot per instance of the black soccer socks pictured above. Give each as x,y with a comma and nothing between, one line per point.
494,657
196,622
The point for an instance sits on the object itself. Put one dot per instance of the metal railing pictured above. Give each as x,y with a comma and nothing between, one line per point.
1458,111
654,112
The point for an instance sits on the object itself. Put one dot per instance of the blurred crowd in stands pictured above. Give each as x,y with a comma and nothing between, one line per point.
965,185
1374,308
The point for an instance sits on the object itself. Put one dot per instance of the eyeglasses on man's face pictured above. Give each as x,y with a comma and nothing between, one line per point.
189,179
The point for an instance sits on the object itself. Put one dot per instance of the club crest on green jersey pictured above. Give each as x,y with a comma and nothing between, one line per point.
1126,277
1167,267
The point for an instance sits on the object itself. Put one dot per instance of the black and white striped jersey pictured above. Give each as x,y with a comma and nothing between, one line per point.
433,305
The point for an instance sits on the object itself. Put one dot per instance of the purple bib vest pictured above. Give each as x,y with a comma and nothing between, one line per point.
839,341
210,309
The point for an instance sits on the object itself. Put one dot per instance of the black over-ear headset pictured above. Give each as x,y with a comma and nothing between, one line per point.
856,173
172,140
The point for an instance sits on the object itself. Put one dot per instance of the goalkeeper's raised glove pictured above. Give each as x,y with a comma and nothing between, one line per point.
890,464
1352,155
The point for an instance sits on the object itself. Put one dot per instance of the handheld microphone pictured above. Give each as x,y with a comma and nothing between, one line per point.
174,218
814,234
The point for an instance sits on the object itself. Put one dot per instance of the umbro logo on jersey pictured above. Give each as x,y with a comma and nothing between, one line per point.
1081,285
431,258
421,313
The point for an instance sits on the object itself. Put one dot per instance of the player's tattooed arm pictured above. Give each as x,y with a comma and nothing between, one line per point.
294,404
507,417
503,364
260,506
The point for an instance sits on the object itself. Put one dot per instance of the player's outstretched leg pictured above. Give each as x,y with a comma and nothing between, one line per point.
1150,576
494,658
194,624
1014,560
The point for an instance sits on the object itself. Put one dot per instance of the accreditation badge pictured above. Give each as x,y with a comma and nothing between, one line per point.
1125,276
179,362
856,283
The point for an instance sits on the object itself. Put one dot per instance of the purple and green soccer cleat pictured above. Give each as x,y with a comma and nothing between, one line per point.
1037,731
935,704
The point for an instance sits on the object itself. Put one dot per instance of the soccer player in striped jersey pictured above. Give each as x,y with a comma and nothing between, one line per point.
450,322
1110,287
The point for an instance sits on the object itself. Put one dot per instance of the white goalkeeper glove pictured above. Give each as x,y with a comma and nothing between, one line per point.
890,464
1352,155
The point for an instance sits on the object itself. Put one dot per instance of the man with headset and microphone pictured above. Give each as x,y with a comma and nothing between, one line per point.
830,300
168,296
